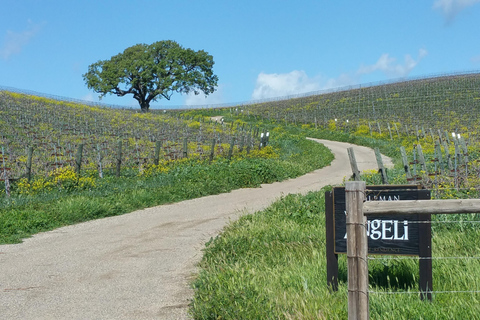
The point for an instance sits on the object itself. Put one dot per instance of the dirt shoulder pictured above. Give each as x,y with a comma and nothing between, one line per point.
138,265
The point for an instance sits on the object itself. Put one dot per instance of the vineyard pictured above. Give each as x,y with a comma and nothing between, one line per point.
432,124
448,103
46,138
63,162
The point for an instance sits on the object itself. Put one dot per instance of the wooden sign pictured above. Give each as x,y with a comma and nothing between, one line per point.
404,235
386,235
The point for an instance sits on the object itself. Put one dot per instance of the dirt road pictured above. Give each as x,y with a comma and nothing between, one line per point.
138,265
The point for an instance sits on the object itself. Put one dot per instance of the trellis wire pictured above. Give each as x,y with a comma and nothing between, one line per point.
420,292
399,258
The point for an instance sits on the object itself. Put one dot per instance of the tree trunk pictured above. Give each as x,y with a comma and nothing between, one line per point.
145,106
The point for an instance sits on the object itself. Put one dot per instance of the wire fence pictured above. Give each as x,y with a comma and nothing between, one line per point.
250,102
433,259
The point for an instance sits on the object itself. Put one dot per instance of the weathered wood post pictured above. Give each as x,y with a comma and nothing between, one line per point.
156,157
5,173
212,150
78,158
440,137
357,250
230,150
99,161
381,168
185,147
242,143
29,164
421,158
353,164
439,158
447,154
396,129
405,163
390,131
431,134
119,157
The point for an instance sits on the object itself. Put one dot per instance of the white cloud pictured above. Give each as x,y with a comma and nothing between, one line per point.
277,85
15,41
475,59
90,97
197,100
343,80
391,68
296,82
450,8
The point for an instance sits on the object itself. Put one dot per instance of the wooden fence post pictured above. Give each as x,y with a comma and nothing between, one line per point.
185,147
5,173
230,150
78,158
99,160
242,143
431,134
381,168
353,164
249,143
119,157
440,137
390,131
357,250
421,158
396,129
29,164
156,157
405,163
447,154
439,158
447,138
212,150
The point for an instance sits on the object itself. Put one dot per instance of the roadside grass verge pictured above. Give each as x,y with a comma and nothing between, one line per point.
272,265
268,266
23,215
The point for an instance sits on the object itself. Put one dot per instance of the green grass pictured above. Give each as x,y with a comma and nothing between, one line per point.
271,265
265,266
22,216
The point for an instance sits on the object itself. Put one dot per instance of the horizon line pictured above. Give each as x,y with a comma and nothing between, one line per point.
242,103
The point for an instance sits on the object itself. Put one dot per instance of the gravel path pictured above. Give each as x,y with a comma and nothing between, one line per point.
138,265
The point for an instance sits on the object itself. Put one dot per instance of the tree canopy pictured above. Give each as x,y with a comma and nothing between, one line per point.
151,72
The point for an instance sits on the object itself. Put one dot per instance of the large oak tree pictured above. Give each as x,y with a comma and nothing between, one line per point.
151,72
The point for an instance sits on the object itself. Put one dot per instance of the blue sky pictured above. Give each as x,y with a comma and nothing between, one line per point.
262,48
